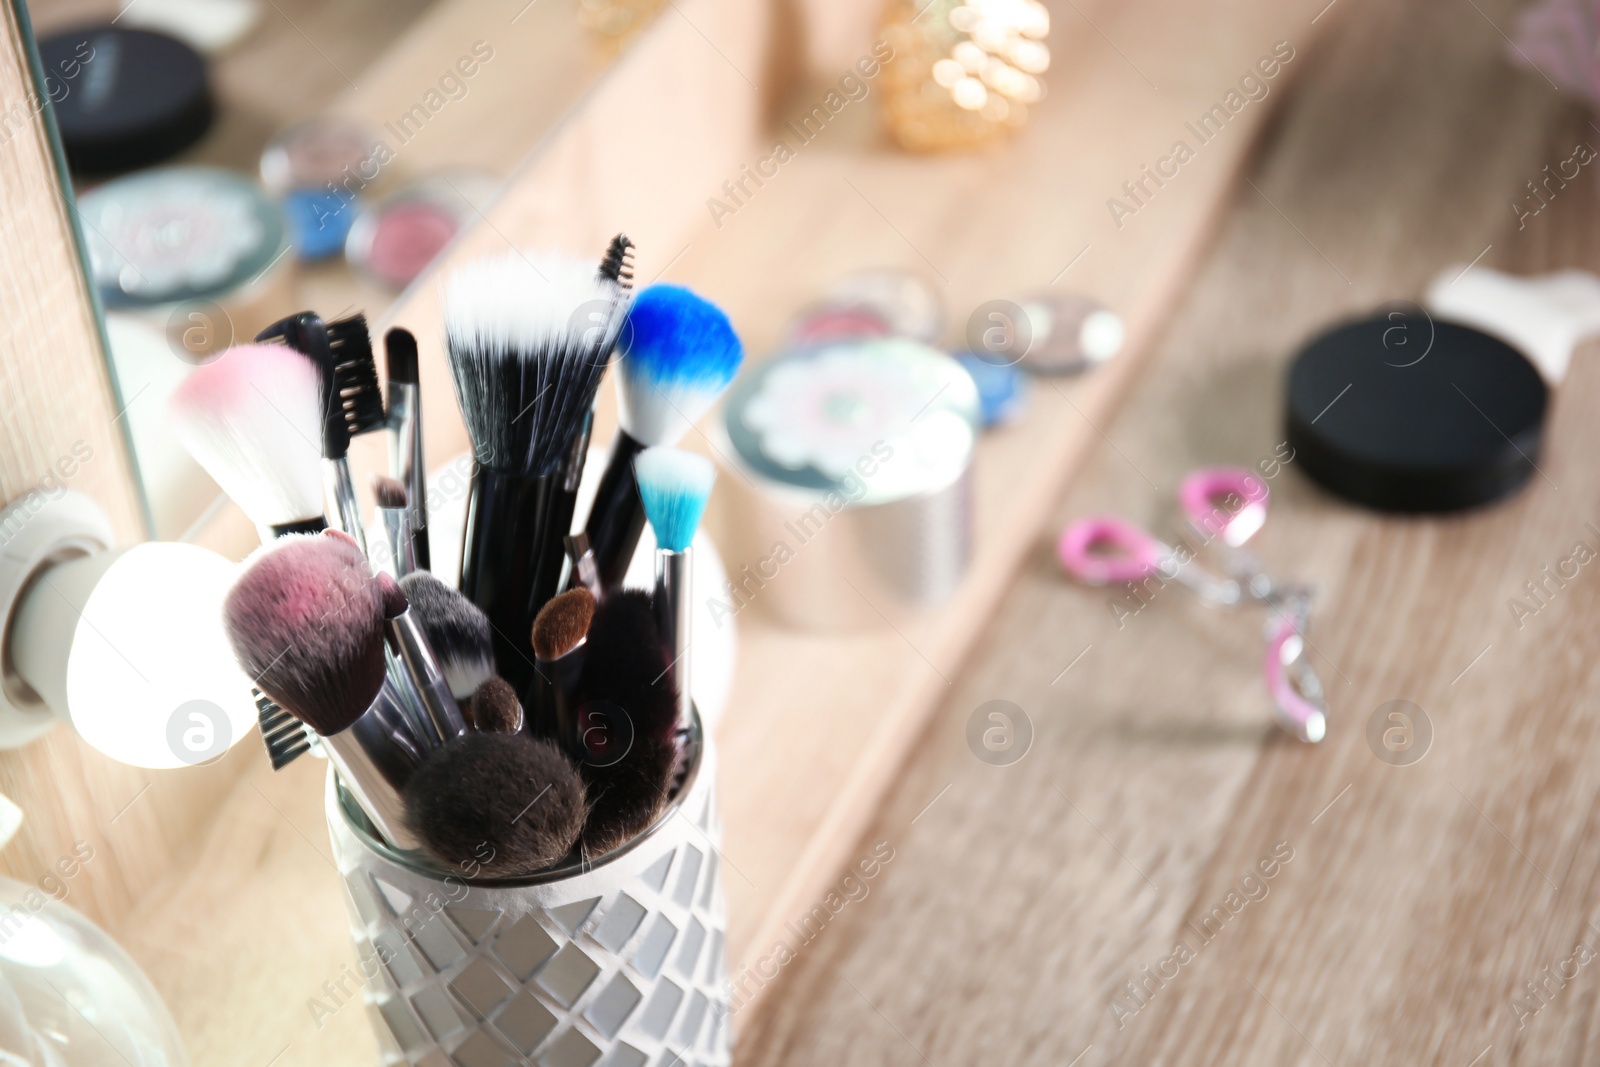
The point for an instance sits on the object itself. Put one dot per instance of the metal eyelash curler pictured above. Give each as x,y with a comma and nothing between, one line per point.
1225,506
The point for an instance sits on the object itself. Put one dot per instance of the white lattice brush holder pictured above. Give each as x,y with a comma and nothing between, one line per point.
618,965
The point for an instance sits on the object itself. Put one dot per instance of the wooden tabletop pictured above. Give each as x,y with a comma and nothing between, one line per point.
1407,907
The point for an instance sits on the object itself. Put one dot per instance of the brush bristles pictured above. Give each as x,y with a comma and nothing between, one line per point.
355,375
626,797
400,352
495,708
306,623
674,487
678,353
457,630
626,665
389,492
562,623
617,264
520,797
252,419
528,339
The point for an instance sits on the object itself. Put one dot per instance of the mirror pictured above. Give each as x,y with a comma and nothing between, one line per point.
234,161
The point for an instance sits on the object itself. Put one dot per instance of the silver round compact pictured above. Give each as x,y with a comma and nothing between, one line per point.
906,302
856,464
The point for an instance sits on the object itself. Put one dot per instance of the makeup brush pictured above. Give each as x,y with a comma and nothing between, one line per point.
674,486
394,519
251,419
582,573
352,403
456,630
405,436
526,362
559,633
677,354
410,643
495,709
306,620
626,721
518,799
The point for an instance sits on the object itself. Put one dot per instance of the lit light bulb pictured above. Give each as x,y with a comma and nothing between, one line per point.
129,647
970,93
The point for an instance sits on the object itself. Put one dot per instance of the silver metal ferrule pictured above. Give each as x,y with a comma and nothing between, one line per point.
674,604
402,550
443,716
343,492
405,450
370,759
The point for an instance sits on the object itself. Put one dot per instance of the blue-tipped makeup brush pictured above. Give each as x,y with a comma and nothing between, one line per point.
674,486
677,355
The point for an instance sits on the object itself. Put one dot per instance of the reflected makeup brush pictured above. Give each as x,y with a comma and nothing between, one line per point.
520,796
626,721
674,486
526,359
494,708
352,403
306,620
676,356
559,634
394,519
456,630
405,436
251,418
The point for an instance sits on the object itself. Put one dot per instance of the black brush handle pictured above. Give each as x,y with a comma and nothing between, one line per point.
512,558
617,518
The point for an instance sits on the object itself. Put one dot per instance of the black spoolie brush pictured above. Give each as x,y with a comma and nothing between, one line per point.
306,620
528,340
626,721
559,634
352,402
457,631
502,803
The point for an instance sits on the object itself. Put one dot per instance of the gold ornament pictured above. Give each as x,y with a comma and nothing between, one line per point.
964,71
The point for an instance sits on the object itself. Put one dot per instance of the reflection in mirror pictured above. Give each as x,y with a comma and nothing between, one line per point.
234,161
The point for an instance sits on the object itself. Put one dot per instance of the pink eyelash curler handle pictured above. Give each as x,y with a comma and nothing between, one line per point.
1201,490
1303,718
1134,554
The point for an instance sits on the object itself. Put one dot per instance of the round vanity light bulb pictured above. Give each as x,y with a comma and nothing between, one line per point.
131,648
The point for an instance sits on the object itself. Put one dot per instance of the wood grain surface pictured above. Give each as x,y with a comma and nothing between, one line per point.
1409,906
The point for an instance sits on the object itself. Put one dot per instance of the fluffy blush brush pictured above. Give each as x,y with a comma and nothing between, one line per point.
251,418
676,356
526,357
306,620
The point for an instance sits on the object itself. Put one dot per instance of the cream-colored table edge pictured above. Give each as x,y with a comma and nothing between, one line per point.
817,725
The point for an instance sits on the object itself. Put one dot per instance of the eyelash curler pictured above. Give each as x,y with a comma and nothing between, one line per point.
1225,507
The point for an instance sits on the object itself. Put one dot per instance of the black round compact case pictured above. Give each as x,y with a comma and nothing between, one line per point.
1402,412
124,98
